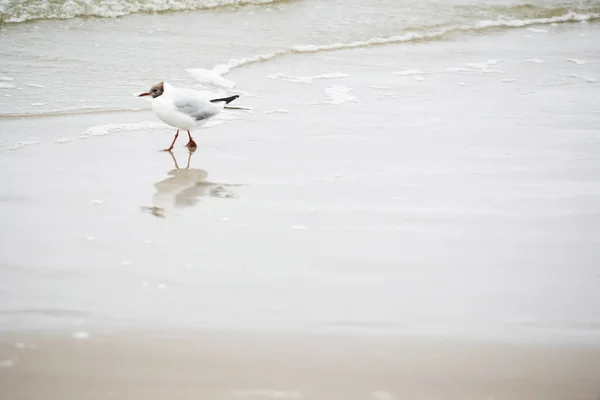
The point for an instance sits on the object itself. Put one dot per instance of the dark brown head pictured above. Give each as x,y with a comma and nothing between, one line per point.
155,90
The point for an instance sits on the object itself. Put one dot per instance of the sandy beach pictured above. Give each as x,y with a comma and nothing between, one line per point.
269,366
403,204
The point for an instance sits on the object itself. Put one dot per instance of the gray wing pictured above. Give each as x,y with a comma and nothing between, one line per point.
195,106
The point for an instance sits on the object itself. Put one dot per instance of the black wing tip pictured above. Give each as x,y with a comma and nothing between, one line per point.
227,100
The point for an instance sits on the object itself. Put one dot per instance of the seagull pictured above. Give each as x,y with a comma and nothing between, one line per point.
184,109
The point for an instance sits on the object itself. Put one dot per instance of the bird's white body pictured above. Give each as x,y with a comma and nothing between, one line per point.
184,108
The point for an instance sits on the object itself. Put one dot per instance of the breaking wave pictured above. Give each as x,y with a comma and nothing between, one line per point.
12,11
438,34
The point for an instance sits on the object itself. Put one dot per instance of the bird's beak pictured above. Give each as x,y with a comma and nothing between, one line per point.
144,94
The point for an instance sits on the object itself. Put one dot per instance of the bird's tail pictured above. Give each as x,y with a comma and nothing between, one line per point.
227,100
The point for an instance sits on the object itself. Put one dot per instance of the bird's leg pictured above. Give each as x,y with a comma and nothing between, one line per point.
174,139
191,143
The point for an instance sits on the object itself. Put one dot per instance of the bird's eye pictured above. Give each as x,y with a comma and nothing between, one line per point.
154,90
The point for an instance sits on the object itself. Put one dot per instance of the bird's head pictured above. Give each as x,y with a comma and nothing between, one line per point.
155,90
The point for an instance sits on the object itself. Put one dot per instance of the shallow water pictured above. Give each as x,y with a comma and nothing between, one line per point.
99,63
424,169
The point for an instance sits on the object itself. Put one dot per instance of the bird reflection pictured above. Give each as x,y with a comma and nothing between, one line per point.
184,188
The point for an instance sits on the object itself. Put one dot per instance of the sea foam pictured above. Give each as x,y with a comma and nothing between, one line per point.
339,94
102,130
21,11
409,72
24,143
307,79
588,79
203,75
223,69
459,69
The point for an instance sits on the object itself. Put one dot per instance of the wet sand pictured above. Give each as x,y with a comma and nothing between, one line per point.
392,204
221,365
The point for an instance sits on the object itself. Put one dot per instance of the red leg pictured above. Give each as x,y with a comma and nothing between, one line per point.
174,139
191,144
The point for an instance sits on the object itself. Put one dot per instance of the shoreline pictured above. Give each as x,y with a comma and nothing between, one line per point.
492,336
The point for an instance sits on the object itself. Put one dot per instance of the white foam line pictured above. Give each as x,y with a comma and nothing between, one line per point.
223,69
210,76
332,75
307,79
24,143
380,87
72,9
569,17
102,130
537,30
314,103
409,72
459,69
478,65
339,94
577,76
